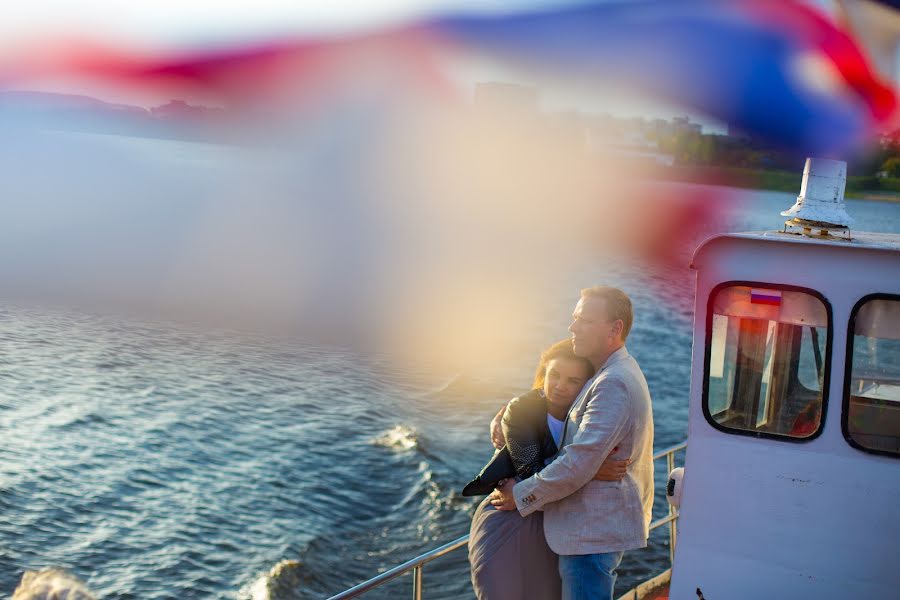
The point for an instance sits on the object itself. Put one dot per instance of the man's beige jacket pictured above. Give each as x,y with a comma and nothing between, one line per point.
583,516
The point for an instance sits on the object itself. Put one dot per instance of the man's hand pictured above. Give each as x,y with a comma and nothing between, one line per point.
612,470
502,497
497,437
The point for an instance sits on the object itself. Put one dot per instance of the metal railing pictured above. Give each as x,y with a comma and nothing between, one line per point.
417,564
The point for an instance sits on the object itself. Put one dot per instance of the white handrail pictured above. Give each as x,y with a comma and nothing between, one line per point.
416,564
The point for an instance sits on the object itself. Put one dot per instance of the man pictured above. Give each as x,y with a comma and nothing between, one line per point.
591,523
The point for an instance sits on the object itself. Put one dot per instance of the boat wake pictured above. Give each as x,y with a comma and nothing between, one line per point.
400,438
282,582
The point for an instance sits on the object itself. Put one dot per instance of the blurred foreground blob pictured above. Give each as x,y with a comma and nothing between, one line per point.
51,584
362,200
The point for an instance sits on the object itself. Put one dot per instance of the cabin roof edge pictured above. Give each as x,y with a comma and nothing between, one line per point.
856,240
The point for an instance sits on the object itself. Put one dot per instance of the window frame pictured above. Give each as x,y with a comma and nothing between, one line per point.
848,372
707,351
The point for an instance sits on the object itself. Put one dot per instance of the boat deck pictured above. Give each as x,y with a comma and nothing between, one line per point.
652,589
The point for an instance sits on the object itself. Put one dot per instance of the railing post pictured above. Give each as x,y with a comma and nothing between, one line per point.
417,583
670,463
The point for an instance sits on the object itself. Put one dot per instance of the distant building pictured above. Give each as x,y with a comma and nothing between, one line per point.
684,125
661,128
574,127
177,109
180,109
634,138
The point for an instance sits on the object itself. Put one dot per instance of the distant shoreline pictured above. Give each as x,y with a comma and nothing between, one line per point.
858,187
877,195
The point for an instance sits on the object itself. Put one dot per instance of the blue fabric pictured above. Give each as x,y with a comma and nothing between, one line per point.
721,58
589,576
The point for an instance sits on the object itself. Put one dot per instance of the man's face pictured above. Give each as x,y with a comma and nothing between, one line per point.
593,335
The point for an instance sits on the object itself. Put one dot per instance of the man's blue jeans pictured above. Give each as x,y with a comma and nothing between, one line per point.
589,576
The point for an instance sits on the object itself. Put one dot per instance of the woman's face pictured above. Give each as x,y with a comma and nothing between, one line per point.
563,379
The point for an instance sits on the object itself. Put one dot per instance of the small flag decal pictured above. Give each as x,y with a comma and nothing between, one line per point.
770,297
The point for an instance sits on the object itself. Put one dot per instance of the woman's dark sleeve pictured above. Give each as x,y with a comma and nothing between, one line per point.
523,425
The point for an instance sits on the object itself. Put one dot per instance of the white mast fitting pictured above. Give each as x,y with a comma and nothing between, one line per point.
820,204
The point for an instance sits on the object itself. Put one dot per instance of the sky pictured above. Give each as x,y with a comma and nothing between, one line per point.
176,23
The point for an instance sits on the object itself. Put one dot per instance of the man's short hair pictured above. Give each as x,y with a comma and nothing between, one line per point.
618,305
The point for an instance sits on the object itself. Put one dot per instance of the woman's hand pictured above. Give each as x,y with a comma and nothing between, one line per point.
497,438
612,470
502,496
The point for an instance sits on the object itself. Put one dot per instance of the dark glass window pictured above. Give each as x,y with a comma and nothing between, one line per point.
767,359
871,418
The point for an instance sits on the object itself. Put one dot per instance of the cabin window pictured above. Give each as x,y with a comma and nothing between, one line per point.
871,419
767,360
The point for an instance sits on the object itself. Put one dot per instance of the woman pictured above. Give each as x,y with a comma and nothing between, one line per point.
508,554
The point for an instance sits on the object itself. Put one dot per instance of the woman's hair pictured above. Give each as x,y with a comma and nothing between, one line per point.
561,349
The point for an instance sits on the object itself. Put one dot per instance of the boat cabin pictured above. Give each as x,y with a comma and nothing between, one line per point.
791,483
791,480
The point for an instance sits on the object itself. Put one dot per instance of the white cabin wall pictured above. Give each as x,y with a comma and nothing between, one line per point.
763,518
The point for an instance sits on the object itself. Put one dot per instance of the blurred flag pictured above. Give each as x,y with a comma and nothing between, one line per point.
776,69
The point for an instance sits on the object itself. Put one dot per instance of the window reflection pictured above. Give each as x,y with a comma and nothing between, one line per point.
872,415
766,361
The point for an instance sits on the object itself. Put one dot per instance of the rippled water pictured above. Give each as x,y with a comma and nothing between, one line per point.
161,462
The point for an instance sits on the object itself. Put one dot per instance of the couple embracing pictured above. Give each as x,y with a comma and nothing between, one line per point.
577,469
